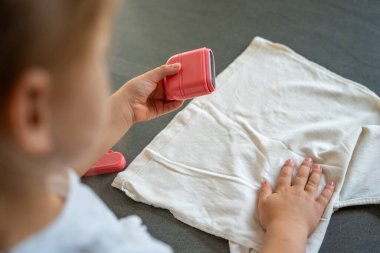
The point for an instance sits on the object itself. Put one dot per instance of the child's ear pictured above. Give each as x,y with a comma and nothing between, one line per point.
29,112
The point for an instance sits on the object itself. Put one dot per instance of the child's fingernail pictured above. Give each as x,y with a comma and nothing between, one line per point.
317,167
176,65
308,160
263,182
289,162
331,184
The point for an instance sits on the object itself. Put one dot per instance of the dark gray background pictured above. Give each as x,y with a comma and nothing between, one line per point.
341,35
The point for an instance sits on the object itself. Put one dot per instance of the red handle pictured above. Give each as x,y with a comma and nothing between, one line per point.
110,162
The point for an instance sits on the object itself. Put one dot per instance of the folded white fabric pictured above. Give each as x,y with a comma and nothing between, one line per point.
271,104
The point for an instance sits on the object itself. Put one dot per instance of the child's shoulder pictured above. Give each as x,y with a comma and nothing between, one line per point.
87,224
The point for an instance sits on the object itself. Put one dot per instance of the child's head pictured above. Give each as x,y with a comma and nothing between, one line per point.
53,80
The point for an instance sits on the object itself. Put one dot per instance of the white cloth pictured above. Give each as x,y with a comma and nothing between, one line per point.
87,225
271,104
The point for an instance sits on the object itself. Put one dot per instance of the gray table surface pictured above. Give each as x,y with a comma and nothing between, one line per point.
341,35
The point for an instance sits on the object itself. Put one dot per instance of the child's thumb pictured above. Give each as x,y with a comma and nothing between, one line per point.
265,191
159,73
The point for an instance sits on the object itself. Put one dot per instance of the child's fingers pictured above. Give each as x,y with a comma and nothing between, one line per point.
265,191
326,194
303,173
172,105
285,177
314,179
157,74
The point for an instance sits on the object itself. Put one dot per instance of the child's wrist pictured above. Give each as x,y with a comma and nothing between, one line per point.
287,229
121,112
283,238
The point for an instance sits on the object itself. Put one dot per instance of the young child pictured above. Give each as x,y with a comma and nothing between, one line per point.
56,117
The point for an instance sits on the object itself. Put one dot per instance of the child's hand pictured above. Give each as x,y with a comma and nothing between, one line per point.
141,98
144,96
292,211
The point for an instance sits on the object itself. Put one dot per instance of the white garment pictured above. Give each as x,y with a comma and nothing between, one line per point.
87,225
271,104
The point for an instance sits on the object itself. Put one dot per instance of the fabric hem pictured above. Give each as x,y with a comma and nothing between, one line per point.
358,202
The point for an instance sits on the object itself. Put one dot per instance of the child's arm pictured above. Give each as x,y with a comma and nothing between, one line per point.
140,99
291,212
